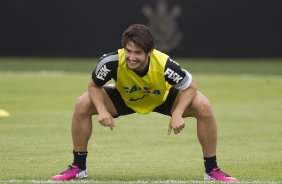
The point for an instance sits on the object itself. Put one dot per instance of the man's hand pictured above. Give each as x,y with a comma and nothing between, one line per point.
176,124
107,120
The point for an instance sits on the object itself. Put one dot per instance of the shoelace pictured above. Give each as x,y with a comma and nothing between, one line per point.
218,171
70,168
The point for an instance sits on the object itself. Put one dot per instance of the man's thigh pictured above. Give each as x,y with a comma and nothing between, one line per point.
85,105
199,105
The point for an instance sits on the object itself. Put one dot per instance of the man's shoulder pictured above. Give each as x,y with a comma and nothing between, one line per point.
108,61
106,68
108,57
159,58
159,53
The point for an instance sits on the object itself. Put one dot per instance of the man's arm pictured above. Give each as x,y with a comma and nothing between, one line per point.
187,90
105,71
183,100
96,94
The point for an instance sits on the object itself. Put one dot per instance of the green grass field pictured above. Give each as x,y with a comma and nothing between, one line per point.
36,141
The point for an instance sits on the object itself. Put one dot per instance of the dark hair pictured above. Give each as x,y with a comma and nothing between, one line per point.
140,35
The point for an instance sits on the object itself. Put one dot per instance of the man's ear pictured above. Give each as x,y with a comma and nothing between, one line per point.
149,53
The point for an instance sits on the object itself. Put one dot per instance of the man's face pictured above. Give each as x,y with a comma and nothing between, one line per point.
136,58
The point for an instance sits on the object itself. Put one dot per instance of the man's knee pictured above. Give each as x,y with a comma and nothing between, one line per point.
84,105
203,106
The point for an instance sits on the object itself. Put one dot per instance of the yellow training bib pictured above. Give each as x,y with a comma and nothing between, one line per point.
143,94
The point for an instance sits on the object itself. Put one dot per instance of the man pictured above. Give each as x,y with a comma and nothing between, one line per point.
146,80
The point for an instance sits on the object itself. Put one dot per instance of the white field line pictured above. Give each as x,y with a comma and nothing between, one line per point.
132,182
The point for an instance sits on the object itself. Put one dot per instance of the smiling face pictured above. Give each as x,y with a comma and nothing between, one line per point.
138,43
136,59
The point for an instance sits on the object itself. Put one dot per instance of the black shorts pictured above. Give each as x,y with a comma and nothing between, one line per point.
122,109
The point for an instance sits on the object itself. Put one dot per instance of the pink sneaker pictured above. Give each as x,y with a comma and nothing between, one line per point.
217,175
73,172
